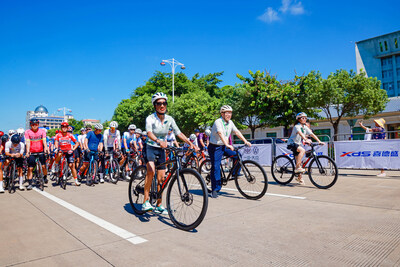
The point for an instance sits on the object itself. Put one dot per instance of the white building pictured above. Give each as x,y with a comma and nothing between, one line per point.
42,114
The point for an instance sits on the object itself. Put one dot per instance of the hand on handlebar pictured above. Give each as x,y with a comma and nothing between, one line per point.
230,147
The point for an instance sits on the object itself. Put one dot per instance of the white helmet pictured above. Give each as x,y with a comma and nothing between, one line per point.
11,132
113,124
301,114
132,127
159,95
144,133
225,108
20,130
98,126
208,132
138,131
192,137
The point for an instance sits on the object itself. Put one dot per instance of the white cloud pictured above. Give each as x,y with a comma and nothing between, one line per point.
294,7
270,15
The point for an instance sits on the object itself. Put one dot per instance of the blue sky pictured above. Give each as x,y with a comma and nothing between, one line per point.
88,55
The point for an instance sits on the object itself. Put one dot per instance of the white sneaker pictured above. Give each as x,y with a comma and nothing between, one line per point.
128,177
21,188
382,174
299,170
300,180
101,180
1,189
77,183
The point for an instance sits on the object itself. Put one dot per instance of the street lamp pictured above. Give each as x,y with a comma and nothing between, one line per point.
173,63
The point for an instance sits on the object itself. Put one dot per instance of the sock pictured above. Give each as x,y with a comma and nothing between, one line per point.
30,181
21,180
1,184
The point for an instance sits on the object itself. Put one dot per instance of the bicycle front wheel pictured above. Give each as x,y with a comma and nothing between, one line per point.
40,176
187,199
323,172
11,178
205,170
282,169
252,183
91,176
113,171
136,189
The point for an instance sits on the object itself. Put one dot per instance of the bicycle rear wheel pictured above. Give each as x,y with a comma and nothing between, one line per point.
136,189
187,199
282,169
323,172
253,182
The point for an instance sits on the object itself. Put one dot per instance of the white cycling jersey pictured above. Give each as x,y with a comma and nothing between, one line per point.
14,149
110,138
160,129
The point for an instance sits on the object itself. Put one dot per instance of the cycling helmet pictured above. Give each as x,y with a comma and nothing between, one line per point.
113,124
208,132
225,108
132,127
83,129
4,138
11,132
98,126
34,121
138,131
144,133
301,114
15,139
70,128
20,131
1,133
192,137
64,124
159,95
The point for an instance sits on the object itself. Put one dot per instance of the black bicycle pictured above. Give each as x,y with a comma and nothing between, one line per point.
322,170
187,198
10,174
38,171
250,177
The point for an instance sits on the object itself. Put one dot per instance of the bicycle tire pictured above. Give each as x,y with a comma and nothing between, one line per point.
40,176
205,170
253,183
153,191
64,177
91,176
181,206
11,179
282,169
136,189
325,179
113,171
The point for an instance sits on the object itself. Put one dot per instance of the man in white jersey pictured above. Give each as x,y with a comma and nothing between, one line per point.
15,149
112,142
219,146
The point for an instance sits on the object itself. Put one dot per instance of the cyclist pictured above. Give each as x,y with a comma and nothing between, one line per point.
15,149
139,141
112,143
4,139
157,126
35,142
219,146
93,143
171,139
202,139
299,133
63,144
129,139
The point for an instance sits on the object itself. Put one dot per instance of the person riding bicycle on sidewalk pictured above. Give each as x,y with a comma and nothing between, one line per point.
63,144
15,149
297,138
219,146
35,142
157,127
93,142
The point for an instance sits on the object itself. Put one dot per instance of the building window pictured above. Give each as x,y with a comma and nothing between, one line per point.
398,61
386,46
271,134
323,134
396,44
380,46
236,139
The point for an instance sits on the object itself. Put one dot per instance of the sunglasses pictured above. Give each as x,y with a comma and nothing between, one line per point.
159,104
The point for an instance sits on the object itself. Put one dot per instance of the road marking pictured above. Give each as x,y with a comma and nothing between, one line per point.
128,236
269,194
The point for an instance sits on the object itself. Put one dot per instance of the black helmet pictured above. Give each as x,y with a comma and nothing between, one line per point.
4,138
15,139
33,121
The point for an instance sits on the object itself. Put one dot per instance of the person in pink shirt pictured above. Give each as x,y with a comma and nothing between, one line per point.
35,141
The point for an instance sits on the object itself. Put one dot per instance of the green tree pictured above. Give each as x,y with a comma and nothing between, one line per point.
77,125
347,94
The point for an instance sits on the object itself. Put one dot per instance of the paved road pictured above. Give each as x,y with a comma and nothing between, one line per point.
356,223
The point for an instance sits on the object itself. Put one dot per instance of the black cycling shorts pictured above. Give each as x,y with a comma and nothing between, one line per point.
293,147
157,155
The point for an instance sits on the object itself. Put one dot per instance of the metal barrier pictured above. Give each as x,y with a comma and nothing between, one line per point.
351,136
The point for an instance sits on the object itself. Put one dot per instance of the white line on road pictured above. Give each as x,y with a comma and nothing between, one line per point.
269,194
134,239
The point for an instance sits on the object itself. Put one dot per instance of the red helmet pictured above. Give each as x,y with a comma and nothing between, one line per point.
57,131
1,133
63,124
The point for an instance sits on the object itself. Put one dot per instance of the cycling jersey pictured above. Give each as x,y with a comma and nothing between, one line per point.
129,138
170,138
35,139
110,138
295,138
160,129
65,142
223,127
14,149
204,137
94,140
